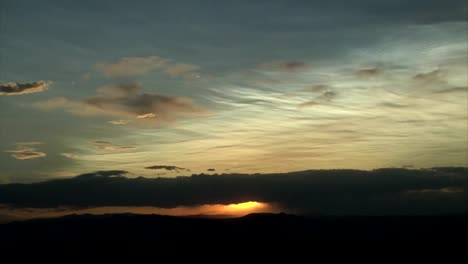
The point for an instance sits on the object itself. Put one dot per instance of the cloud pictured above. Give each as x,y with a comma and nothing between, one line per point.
428,76
211,170
284,65
118,122
382,191
321,88
127,101
24,151
108,146
131,66
165,167
308,104
325,97
368,73
70,155
13,88
454,90
393,105
291,66
148,115
180,69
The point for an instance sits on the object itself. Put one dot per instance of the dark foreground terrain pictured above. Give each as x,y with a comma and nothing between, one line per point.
129,227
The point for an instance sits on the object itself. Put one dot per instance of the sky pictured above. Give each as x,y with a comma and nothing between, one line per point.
169,88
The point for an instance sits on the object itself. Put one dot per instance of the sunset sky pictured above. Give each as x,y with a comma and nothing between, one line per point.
168,88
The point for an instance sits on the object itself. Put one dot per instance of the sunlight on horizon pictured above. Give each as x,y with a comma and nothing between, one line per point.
213,210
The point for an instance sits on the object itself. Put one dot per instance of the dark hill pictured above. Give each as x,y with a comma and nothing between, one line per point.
130,227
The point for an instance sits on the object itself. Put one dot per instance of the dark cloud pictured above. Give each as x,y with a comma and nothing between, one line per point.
325,97
393,105
165,167
127,100
368,73
428,76
211,170
382,191
292,65
317,88
13,88
284,65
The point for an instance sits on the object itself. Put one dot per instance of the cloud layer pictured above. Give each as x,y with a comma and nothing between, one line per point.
382,191
14,88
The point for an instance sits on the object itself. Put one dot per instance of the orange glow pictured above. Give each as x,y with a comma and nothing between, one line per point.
245,206
219,210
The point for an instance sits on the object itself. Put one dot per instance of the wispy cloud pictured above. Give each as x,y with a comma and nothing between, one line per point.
147,115
14,88
70,155
119,122
108,146
25,151
134,66
179,69
131,66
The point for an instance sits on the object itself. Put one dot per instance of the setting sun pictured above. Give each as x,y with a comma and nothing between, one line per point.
246,205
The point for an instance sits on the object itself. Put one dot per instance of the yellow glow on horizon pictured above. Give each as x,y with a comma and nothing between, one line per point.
245,206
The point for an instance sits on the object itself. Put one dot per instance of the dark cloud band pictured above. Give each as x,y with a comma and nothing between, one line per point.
382,191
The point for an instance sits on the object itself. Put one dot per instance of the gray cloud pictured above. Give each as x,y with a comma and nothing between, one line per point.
284,65
13,88
325,97
321,88
166,167
394,105
127,101
382,191
211,169
368,73
428,76
292,65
